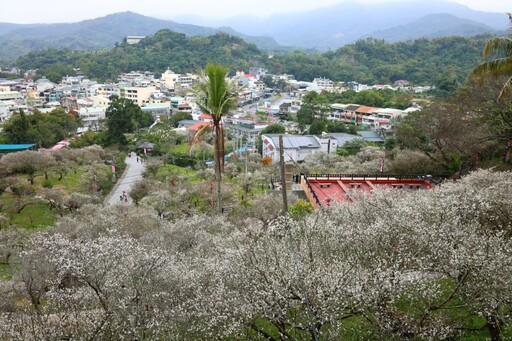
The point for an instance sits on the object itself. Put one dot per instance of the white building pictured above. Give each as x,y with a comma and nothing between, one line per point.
324,83
296,147
5,113
134,39
92,118
137,94
105,90
178,82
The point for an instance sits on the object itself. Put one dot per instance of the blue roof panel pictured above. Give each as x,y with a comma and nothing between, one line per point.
7,147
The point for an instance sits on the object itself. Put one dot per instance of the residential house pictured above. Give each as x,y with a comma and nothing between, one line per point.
100,101
324,83
348,114
284,108
185,107
356,86
69,103
401,83
336,110
388,113
245,129
258,72
157,110
85,102
205,118
364,116
92,118
105,90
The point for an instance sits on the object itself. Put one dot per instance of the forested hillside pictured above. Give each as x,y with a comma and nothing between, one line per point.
370,61
420,61
166,49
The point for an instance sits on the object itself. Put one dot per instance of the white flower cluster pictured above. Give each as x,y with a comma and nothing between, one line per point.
389,266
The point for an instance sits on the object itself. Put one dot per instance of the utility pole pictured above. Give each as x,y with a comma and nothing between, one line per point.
293,249
283,174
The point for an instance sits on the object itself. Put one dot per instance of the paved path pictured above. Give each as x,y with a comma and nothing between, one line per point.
132,174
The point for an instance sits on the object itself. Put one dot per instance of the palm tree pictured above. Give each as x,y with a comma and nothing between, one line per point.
215,95
500,66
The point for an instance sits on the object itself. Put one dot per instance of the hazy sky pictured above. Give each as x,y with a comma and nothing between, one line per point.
38,11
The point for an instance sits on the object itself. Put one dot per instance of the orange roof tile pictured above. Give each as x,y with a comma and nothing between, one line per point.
364,109
198,125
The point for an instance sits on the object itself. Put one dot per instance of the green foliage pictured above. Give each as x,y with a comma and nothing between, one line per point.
374,61
124,116
5,272
313,106
181,159
351,147
34,216
336,127
389,144
47,183
274,128
500,50
366,61
88,138
300,209
179,116
318,126
217,96
385,98
165,49
43,129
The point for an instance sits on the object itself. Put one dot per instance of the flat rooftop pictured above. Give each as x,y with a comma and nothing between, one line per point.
324,191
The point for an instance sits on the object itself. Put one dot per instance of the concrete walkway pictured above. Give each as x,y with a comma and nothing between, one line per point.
132,174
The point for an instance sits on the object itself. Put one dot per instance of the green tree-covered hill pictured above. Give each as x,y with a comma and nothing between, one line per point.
422,61
165,49
441,60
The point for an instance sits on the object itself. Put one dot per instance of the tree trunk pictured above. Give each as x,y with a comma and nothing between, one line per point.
218,165
494,327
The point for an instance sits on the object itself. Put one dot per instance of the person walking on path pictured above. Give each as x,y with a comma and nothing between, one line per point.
132,174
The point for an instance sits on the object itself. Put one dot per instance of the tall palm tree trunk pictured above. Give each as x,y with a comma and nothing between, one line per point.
219,160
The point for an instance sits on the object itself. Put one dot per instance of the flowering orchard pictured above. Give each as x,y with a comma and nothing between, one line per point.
421,265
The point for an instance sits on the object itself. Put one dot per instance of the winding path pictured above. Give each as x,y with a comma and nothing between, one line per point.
132,174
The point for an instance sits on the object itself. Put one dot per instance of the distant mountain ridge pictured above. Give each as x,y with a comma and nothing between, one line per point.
321,29
104,32
336,25
433,26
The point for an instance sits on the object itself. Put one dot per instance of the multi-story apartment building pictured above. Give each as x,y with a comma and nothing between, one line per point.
137,94
105,90
178,82
324,83
92,118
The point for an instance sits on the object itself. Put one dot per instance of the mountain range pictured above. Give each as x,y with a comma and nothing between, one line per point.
333,26
104,32
321,29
